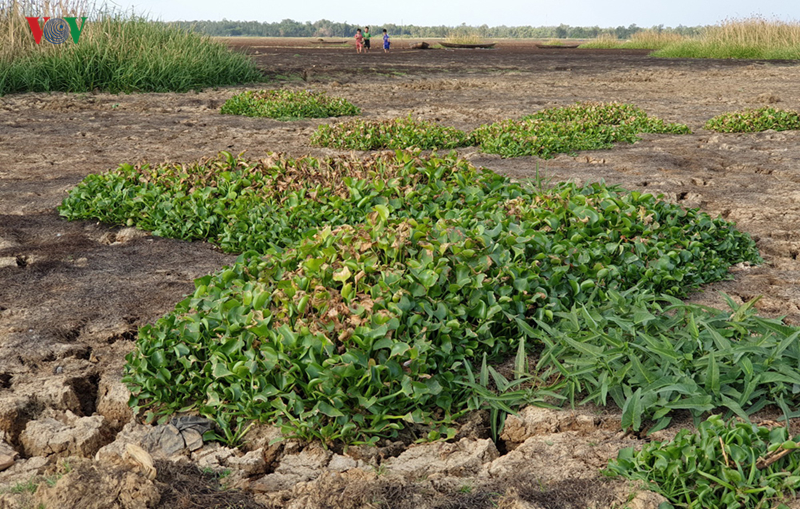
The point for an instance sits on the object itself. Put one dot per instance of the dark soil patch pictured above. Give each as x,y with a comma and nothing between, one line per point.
184,486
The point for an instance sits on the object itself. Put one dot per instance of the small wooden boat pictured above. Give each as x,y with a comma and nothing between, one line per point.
558,46
467,46
321,41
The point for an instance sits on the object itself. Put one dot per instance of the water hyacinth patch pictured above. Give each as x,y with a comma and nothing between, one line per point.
402,133
288,105
755,120
386,282
357,331
268,204
582,126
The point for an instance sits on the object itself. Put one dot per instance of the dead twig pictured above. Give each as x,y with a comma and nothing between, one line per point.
771,458
724,454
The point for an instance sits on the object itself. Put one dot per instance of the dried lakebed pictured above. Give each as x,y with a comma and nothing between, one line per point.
73,294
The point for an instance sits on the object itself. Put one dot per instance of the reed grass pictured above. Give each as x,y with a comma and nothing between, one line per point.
464,35
653,39
603,41
646,39
116,52
755,37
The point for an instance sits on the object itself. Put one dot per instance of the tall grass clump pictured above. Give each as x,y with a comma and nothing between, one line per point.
116,52
753,37
603,41
645,39
464,35
652,39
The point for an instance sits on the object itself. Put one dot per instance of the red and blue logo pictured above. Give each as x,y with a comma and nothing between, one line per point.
56,30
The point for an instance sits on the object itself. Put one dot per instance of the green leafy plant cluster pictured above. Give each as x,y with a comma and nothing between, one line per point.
725,464
654,355
582,126
613,113
402,133
266,205
408,272
288,104
755,120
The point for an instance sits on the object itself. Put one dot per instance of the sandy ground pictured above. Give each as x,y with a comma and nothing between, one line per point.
72,294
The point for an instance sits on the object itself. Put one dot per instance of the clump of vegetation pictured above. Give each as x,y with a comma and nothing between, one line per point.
753,37
402,133
582,126
386,284
755,120
265,205
464,35
645,39
604,40
652,355
653,39
288,104
724,464
553,42
115,52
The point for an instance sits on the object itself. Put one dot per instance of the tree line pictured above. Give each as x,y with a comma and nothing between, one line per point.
326,28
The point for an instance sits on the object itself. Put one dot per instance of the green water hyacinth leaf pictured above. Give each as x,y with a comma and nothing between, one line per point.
342,275
220,370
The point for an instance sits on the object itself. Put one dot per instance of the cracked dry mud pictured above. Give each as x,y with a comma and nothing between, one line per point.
72,294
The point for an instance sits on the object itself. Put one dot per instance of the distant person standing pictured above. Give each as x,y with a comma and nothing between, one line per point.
366,39
359,41
385,41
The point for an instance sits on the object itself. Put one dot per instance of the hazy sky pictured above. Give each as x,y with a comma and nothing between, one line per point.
604,13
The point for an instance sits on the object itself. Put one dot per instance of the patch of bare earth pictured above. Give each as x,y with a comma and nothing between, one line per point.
72,295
